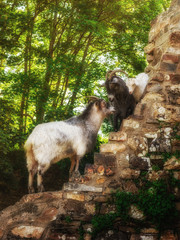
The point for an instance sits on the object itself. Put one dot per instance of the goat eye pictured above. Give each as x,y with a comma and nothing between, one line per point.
96,103
103,104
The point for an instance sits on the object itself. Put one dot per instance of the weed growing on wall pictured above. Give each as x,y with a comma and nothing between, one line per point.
155,201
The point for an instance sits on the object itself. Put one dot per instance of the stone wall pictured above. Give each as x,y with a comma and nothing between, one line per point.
137,148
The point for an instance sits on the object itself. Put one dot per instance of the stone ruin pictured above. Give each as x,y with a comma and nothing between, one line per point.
136,148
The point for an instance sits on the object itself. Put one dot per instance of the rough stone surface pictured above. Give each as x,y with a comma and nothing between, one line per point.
136,213
81,188
172,164
28,231
112,148
139,163
118,136
130,153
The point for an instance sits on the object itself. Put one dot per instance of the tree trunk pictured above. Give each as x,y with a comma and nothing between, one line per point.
78,82
44,94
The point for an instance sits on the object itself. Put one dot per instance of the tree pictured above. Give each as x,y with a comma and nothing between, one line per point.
53,53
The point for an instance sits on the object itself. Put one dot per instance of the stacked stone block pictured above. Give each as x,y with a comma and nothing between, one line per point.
134,149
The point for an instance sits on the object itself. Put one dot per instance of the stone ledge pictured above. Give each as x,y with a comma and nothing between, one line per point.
118,136
107,160
112,148
81,188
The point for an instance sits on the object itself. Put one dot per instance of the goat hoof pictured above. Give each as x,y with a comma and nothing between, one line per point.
41,188
77,174
31,190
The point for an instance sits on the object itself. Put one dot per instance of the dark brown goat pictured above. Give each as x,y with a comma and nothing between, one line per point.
119,97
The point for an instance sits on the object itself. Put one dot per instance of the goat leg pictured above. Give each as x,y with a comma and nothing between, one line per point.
115,122
30,182
76,173
73,161
41,170
77,163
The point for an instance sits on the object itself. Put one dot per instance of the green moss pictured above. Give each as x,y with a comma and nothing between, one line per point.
158,204
101,222
68,219
81,232
154,199
169,155
155,168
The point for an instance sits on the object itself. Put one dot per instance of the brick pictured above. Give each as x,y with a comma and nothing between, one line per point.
80,187
174,89
149,48
154,87
107,160
158,77
168,235
112,148
175,39
74,196
130,123
118,136
168,67
170,58
172,164
90,208
122,160
101,170
109,172
1,233
28,231
135,213
139,110
150,58
90,169
129,173
100,180
175,78
178,100
139,163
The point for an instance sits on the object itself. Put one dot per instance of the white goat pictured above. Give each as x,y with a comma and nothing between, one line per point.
137,85
54,141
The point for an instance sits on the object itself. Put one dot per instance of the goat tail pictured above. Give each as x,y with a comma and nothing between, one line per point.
30,158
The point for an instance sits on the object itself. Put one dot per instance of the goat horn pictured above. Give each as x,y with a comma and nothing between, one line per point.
115,71
107,78
93,97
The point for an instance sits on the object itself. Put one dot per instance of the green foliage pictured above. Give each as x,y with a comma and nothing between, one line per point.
6,173
123,200
101,222
176,131
81,232
168,155
53,53
154,199
68,219
155,168
158,204
13,171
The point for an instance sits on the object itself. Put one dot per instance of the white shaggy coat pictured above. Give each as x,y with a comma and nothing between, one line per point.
51,142
138,85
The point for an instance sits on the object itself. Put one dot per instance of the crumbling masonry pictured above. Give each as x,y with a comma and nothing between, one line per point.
137,147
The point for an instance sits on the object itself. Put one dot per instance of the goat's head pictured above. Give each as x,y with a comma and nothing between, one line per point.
131,84
114,84
100,106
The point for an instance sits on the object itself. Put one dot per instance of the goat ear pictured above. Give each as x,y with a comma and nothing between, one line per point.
102,85
97,103
136,81
103,104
